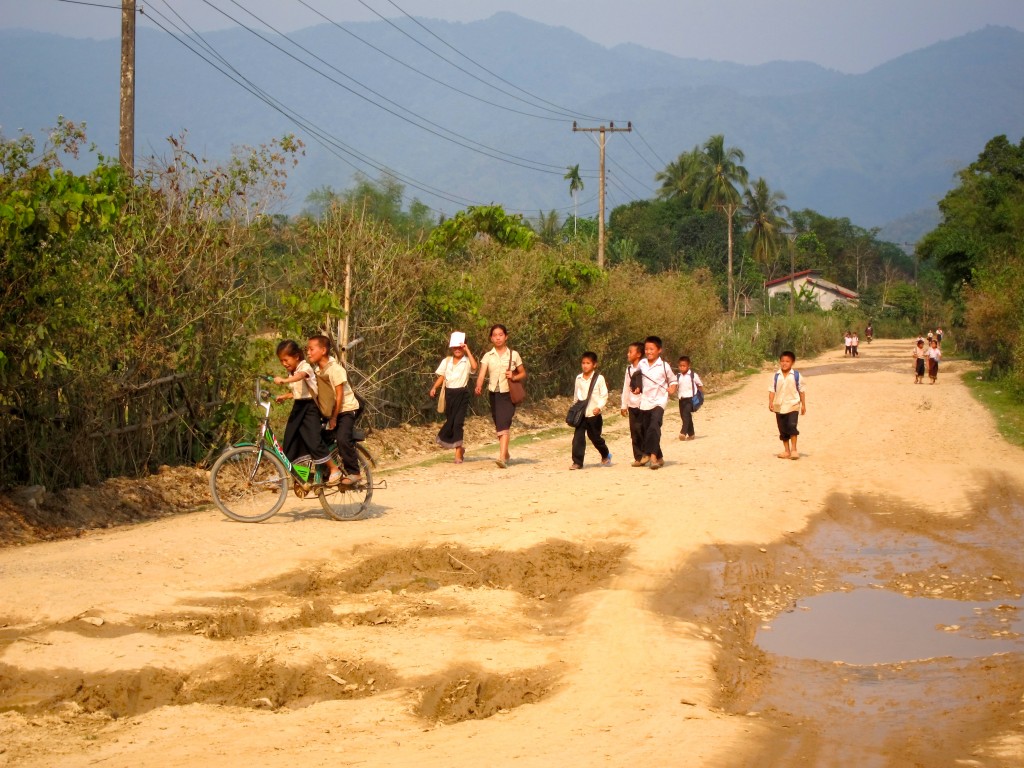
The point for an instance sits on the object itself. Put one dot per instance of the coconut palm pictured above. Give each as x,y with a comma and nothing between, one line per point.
678,178
765,214
716,181
575,186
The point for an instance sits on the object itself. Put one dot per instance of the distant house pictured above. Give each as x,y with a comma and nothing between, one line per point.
827,293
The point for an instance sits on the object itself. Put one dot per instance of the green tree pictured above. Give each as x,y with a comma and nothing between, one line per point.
678,179
719,176
575,187
765,215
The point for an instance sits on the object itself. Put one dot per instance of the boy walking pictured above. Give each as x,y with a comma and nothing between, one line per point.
338,404
590,387
632,386
658,384
786,400
688,384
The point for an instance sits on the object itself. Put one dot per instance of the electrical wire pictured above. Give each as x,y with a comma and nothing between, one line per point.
333,145
656,155
421,73
638,154
563,113
95,5
462,141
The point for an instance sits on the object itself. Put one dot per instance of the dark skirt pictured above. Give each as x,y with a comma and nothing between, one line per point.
919,366
502,411
302,433
456,404
933,368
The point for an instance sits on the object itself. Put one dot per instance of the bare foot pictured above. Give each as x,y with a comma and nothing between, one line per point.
785,455
795,456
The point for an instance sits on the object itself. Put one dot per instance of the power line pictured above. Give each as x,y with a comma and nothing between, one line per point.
562,113
94,5
461,140
656,155
421,73
638,154
322,137
572,113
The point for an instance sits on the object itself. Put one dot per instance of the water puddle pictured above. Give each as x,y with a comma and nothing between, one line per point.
875,626
878,636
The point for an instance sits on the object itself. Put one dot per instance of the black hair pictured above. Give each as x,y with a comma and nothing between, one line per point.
684,359
323,341
591,356
638,346
290,348
655,340
790,355
497,325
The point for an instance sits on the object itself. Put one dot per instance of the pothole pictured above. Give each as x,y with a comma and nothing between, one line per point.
470,693
254,683
879,636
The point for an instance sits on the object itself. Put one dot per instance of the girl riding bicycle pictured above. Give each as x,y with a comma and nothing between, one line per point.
302,432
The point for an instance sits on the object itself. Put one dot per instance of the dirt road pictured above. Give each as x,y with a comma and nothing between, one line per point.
517,617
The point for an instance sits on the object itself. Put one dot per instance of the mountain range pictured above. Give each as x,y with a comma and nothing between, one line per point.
876,147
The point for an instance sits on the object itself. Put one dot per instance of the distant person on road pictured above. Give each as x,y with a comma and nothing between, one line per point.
453,375
934,355
591,387
855,343
920,355
847,343
632,386
869,333
499,366
938,335
688,383
786,400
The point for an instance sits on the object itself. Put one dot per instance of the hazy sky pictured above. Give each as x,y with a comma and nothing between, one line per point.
848,35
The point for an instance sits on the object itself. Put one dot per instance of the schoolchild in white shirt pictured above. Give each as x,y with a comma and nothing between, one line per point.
658,384
688,383
595,392
453,375
630,406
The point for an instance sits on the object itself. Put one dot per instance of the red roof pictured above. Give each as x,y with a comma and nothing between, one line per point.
795,276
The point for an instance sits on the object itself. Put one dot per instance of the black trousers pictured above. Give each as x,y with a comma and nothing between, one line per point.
302,433
346,445
786,423
651,421
686,414
636,433
590,428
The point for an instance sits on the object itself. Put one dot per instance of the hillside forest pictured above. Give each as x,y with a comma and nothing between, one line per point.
135,312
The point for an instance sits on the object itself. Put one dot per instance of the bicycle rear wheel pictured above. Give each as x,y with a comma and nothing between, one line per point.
247,486
349,502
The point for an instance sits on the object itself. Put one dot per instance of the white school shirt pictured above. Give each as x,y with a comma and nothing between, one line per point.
935,354
456,374
686,386
597,400
629,400
787,391
304,389
657,378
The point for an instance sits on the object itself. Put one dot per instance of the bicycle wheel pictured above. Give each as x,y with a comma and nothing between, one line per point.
349,502
246,486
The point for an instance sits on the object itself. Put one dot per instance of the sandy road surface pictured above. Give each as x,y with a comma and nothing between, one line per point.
524,594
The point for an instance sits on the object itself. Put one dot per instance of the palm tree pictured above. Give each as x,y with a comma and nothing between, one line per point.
679,176
575,185
717,178
766,215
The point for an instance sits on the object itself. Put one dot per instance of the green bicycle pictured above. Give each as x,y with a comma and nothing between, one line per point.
249,481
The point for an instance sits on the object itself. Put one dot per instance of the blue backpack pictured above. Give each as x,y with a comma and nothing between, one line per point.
775,381
698,396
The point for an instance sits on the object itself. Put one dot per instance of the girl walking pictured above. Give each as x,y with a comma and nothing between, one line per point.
498,367
453,375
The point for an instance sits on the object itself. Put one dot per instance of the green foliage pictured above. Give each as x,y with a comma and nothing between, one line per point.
380,200
453,236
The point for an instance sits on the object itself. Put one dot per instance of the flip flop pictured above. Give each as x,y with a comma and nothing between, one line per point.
501,463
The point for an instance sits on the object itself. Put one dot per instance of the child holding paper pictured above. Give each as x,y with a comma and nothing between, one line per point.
453,375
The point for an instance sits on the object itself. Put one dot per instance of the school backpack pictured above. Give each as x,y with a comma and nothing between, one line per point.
698,396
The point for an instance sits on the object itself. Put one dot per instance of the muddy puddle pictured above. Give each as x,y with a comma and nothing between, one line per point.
879,636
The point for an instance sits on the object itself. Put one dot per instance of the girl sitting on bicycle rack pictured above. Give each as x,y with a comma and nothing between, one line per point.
302,433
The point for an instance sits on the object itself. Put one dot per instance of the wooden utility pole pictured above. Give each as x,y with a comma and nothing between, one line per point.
126,144
602,130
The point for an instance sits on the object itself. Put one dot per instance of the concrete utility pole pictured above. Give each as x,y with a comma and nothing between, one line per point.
600,182
126,144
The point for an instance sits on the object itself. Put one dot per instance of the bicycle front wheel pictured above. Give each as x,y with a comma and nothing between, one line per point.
349,502
248,485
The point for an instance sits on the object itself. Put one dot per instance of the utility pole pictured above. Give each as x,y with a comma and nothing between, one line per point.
602,130
126,144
